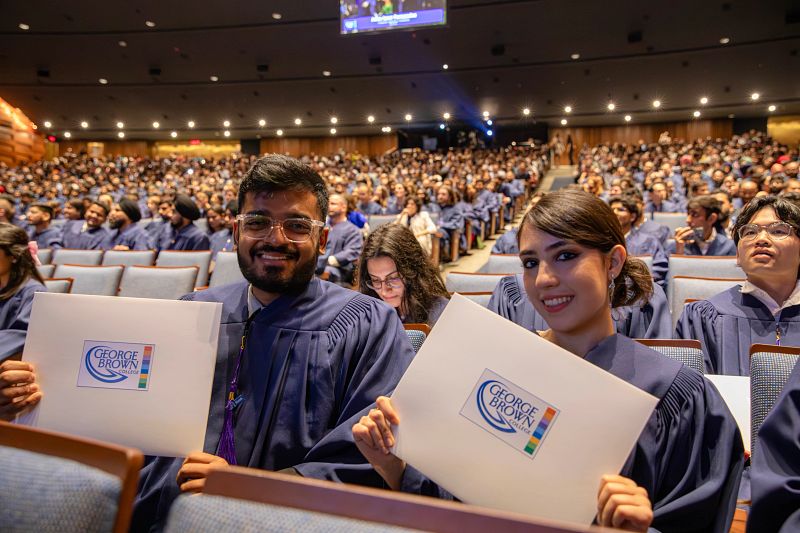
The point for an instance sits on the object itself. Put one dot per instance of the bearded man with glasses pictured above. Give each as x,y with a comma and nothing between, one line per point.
766,307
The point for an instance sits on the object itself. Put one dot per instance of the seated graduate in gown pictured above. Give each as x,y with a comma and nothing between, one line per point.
394,268
766,308
775,466
299,361
683,473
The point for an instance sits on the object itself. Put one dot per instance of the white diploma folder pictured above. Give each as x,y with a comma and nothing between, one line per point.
131,371
735,390
502,418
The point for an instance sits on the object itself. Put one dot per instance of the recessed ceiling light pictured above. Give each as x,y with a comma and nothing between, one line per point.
48,124
656,103
772,108
628,118
696,114
279,133
298,121
277,16
731,116
326,73
575,56
262,122
724,40
35,126
371,119
441,126
173,134
526,111
611,106
446,116
24,26
121,134
563,122
120,125
755,96
489,122
489,133
704,100
123,44
333,131
84,124
156,125
226,133
568,109
150,24
214,78
334,120
485,114
67,135
388,129
226,124
102,81
445,66
409,117
190,123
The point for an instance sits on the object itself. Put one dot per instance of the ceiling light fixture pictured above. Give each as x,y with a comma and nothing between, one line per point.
214,78
696,114
226,133
150,24
84,124
611,106
575,56
446,116
279,133
489,133
526,112
102,81
485,114
173,134
568,109
122,44
226,124
24,26
408,117
326,73
724,40
334,120
120,125
262,123
772,108
704,100
48,124
755,96
445,66
628,118
298,121
441,126
190,123
277,16
563,122
333,131
67,135
156,125
121,134
371,119
489,122
656,103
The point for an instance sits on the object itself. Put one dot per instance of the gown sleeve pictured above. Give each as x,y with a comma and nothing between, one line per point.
17,317
775,470
699,321
652,320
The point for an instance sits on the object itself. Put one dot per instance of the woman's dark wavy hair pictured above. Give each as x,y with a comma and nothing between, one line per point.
421,277
583,218
784,209
14,242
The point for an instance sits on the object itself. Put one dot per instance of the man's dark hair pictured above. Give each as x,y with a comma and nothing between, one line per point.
78,205
784,209
710,204
629,203
281,173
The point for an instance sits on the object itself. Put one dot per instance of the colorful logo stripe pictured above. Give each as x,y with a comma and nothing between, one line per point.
145,373
536,438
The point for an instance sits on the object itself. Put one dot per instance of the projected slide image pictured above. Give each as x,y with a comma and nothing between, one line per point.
378,15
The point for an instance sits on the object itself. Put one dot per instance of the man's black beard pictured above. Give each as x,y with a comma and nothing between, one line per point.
270,282
116,223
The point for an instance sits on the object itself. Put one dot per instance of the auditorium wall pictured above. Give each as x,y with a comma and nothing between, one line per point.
19,142
785,129
297,146
632,133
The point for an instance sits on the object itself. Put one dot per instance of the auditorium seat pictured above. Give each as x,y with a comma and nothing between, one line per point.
129,257
471,281
67,256
247,499
95,280
376,221
687,288
502,264
164,283
56,482
59,285
199,258
226,270
770,367
689,352
672,220
45,255
647,259
699,266
46,271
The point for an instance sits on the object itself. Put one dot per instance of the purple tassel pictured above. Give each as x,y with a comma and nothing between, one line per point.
227,448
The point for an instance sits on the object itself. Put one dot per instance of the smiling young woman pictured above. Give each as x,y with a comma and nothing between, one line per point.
766,308
683,472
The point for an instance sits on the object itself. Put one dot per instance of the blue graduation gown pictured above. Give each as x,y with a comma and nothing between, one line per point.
393,207
507,243
90,239
639,243
775,470
650,321
370,208
659,231
728,323
314,364
49,238
15,314
221,241
155,228
71,233
451,218
134,237
344,243
721,245
187,238
665,207
436,310
689,456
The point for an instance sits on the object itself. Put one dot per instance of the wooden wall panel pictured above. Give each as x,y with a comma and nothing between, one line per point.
113,148
299,146
19,142
632,133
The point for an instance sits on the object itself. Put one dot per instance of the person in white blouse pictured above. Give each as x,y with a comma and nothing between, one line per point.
419,222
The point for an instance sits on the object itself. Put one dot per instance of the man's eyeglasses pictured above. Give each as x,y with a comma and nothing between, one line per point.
260,226
776,231
392,281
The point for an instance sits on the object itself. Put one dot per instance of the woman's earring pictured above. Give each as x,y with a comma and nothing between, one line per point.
611,286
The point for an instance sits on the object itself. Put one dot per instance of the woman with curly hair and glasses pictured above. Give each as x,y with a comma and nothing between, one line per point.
394,267
766,307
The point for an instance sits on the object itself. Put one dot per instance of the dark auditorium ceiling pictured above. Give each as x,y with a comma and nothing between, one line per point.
503,56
